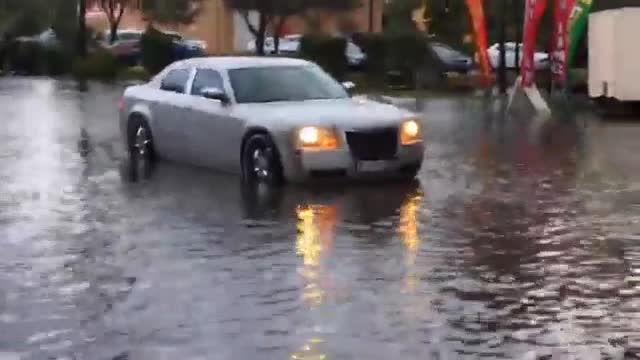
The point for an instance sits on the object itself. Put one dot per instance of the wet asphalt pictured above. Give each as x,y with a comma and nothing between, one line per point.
519,240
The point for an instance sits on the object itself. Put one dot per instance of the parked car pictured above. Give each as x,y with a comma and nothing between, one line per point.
127,47
541,59
290,45
268,119
47,39
185,49
452,59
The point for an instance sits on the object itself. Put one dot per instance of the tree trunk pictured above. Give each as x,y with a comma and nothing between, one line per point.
82,29
113,34
276,44
278,33
518,13
262,30
502,70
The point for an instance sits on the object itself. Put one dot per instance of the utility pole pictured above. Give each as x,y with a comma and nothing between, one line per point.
502,71
82,29
371,4
518,12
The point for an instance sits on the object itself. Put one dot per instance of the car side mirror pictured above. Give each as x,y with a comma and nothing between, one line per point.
349,85
214,93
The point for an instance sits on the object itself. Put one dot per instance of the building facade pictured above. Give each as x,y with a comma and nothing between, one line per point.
226,32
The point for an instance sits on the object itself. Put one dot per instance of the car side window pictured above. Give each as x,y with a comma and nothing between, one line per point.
175,81
206,78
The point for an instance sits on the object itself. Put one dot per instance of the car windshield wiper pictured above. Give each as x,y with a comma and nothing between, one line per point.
270,100
273,100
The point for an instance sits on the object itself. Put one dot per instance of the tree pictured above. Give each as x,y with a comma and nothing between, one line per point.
398,15
313,10
274,14
64,22
23,17
114,10
171,11
82,29
265,9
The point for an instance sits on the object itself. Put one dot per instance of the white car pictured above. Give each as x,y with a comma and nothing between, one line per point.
541,59
268,119
290,44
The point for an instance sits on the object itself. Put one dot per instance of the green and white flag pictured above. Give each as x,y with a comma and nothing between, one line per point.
577,26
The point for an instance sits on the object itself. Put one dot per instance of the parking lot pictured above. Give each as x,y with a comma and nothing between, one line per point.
519,238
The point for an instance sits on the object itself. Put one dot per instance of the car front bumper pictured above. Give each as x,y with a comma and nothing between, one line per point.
302,166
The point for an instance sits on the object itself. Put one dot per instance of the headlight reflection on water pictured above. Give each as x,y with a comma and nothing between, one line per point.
316,225
408,230
316,232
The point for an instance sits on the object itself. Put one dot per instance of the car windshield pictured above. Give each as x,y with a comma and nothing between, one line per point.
127,36
444,51
353,49
284,83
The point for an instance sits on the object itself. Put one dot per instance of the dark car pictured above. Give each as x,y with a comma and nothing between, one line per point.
128,46
452,59
186,49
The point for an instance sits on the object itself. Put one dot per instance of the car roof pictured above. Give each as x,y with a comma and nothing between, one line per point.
240,62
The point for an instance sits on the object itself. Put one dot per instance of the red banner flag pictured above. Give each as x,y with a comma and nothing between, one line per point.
534,9
476,10
560,41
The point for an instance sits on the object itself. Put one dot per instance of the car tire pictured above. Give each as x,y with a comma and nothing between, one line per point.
261,162
140,149
411,172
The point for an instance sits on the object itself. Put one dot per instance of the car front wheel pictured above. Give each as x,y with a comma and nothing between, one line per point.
141,152
261,161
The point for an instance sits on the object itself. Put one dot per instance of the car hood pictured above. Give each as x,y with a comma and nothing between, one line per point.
353,113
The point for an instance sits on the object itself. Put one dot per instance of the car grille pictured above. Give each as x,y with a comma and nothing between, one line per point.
379,144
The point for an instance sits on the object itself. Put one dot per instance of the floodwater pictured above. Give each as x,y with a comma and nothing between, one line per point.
520,240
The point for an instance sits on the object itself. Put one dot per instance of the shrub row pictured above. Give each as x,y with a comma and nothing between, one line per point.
406,57
157,50
326,51
33,58
29,57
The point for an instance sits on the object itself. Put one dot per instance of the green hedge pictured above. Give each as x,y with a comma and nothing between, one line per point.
32,58
99,65
407,54
375,47
326,51
157,50
3,53
400,59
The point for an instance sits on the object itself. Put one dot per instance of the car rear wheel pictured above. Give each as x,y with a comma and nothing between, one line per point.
141,151
261,161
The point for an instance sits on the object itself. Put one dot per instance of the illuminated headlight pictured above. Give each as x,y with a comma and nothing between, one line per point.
312,137
410,132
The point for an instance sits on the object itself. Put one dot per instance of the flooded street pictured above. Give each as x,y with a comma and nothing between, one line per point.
520,240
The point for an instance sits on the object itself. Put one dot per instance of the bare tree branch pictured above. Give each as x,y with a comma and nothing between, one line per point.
250,26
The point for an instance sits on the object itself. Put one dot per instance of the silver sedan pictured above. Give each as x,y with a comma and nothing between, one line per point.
269,120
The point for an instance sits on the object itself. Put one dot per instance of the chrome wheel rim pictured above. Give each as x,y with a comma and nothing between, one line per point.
142,141
261,168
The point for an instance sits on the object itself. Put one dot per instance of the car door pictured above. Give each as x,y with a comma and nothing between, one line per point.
170,110
217,134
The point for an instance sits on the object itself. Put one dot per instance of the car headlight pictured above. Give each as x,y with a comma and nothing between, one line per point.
410,132
312,137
